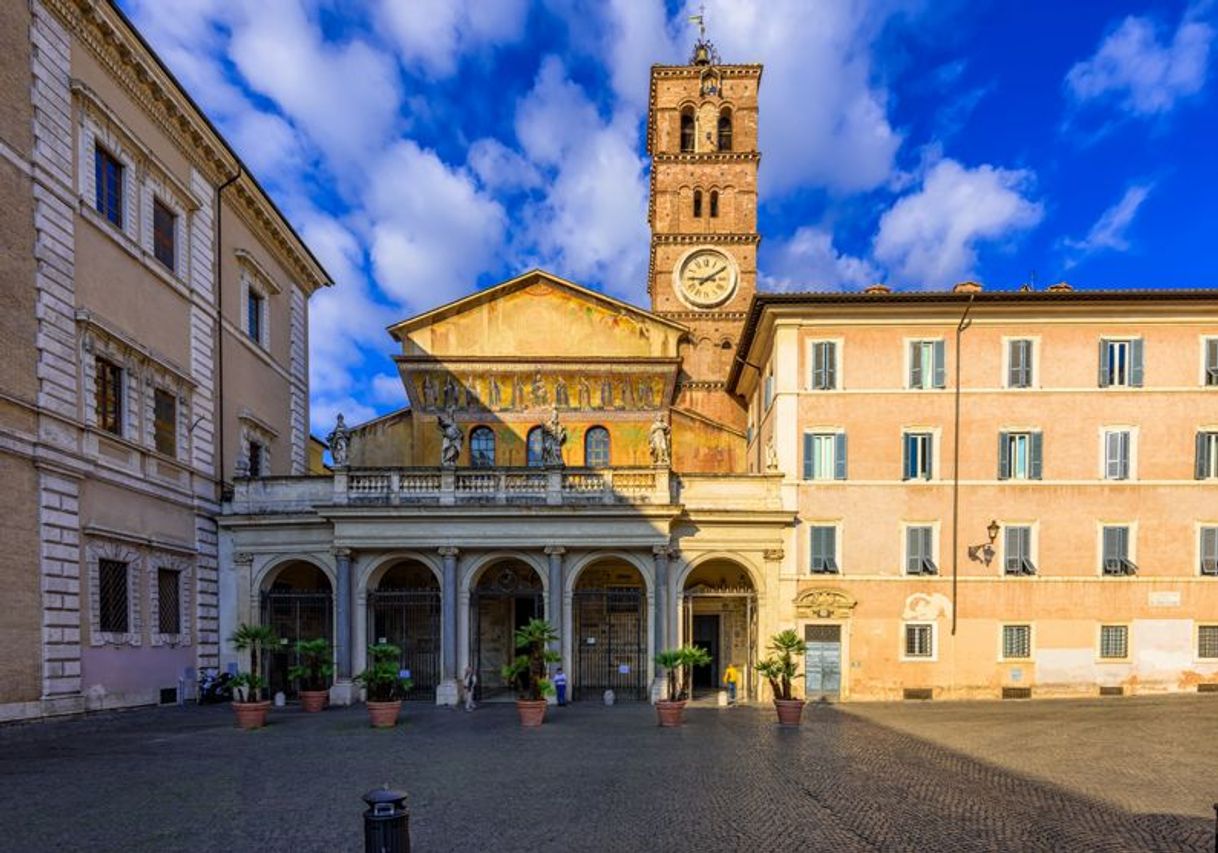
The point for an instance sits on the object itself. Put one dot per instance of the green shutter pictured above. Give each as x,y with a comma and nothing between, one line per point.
1201,462
940,364
1103,364
915,365
839,450
1135,362
1036,465
807,456
1004,456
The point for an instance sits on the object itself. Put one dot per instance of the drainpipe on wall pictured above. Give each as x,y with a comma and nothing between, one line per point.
965,322
218,283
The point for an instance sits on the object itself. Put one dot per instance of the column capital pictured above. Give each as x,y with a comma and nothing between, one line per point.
341,553
663,551
243,557
554,550
448,551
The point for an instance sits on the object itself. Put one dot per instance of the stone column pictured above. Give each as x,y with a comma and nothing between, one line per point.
556,616
343,691
660,558
446,691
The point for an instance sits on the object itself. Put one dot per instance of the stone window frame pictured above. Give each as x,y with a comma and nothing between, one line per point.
96,550
154,188
156,560
255,279
933,655
100,130
254,429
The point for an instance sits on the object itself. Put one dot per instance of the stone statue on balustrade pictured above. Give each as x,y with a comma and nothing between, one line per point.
340,443
659,441
553,437
451,438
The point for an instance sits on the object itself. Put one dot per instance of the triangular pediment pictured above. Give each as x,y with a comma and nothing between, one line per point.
538,315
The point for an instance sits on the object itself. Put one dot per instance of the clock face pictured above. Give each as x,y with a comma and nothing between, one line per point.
707,277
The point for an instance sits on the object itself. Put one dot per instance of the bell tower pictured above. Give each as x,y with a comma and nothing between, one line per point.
702,138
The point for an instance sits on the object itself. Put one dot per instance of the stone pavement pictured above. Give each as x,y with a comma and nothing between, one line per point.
895,777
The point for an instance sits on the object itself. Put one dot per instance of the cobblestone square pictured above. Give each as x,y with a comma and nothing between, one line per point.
1126,774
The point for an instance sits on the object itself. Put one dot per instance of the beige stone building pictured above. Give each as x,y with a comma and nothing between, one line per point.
155,343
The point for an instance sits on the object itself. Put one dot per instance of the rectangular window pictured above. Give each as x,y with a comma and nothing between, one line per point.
164,234
165,421
1207,641
1205,466
109,396
919,641
1020,455
824,365
919,551
1121,363
1019,364
919,455
1017,551
253,316
1211,362
768,391
1116,454
1114,642
824,549
108,175
825,456
256,459
1016,642
169,602
1209,551
1116,559
926,364
112,596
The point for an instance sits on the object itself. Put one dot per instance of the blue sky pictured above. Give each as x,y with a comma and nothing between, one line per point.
426,148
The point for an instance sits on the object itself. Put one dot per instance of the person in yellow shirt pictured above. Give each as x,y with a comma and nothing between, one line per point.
731,677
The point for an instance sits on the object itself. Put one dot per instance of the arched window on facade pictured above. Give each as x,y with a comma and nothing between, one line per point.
482,447
725,130
533,448
687,129
596,448
714,203
697,204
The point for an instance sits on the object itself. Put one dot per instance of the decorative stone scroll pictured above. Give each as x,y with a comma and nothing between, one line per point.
825,603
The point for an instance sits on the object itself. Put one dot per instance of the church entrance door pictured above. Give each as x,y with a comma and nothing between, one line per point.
506,597
609,618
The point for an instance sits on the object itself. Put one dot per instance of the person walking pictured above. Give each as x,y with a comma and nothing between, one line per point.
560,686
731,677
468,683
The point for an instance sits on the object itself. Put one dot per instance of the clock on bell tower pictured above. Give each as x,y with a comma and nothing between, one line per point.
702,138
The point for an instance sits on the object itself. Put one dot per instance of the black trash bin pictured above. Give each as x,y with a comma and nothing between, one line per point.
386,822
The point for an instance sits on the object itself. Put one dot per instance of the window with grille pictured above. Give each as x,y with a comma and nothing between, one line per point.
1114,641
824,365
165,421
1211,362
919,641
596,448
1116,559
1121,363
1117,445
919,551
1017,551
1205,466
164,234
254,307
825,456
824,549
108,175
109,394
927,364
1016,641
112,597
482,447
918,455
533,444
169,602
1209,551
1019,364
256,459
1207,641
1020,455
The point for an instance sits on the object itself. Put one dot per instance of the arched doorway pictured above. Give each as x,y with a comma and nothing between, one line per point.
609,622
404,609
719,613
298,603
507,595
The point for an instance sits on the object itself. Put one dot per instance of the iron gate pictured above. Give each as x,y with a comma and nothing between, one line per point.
410,619
295,615
494,618
610,643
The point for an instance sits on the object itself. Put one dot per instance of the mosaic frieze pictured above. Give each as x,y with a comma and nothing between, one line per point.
537,390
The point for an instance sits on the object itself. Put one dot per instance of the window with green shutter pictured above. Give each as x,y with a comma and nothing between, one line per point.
824,365
927,364
1121,363
1017,551
824,549
1211,362
1115,558
919,550
918,463
1019,364
824,456
1205,465
1019,455
1117,445
1209,551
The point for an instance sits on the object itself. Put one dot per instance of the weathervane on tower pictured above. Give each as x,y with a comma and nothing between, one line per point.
704,50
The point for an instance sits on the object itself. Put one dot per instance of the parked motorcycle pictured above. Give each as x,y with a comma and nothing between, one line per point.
215,687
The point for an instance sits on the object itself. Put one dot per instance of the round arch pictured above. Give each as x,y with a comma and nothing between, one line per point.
295,598
685,567
588,560
474,570
370,574
608,630
268,571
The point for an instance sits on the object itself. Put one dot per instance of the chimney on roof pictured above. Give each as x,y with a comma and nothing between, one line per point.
1025,288
875,289
1060,287
967,287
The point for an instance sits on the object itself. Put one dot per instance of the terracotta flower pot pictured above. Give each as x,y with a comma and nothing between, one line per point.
251,715
789,711
384,715
532,713
312,701
671,713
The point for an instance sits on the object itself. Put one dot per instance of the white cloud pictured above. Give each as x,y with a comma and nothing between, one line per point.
1108,232
809,261
499,168
432,34
930,237
1143,73
324,412
387,390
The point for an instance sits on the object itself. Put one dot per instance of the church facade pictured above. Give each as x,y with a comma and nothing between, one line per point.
725,464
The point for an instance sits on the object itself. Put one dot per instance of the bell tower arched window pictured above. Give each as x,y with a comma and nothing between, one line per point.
596,448
697,204
725,130
714,203
482,447
533,448
687,129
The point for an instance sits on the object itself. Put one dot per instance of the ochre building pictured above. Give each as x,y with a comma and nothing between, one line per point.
723,465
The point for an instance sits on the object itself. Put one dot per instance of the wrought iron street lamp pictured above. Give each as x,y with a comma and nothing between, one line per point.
984,553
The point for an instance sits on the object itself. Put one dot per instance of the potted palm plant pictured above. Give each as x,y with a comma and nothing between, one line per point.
780,668
528,671
678,662
248,704
313,672
385,684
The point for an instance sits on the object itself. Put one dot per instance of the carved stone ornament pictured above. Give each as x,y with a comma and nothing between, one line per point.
773,555
825,603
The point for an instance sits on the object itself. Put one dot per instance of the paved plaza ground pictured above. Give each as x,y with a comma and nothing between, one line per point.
1114,774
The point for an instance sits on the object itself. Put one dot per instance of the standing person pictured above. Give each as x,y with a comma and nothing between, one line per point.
469,681
560,686
731,677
